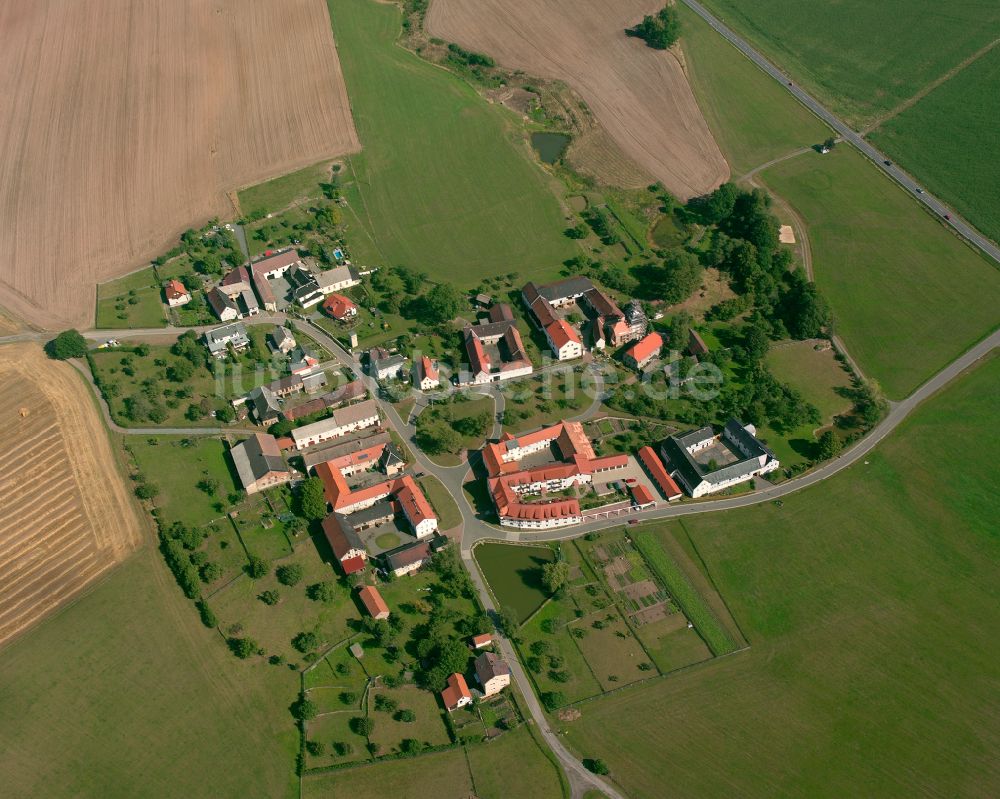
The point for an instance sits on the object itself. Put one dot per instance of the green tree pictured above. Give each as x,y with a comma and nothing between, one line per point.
659,31
304,709
436,437
270,597
312,499
256,567
242,647
290,574
555,575
405,715
315,748
68,344
361,725
442,303
829,446
509,625
210,572
385,703
305,641
596,765
322,592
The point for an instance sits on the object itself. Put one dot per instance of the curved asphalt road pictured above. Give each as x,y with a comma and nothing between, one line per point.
847,133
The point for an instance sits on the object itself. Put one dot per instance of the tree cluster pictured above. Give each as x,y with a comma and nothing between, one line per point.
659,31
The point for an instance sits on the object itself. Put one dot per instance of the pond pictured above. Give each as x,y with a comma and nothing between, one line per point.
550,146
514,574
668,232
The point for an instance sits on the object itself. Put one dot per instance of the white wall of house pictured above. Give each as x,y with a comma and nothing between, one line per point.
569,351
539,524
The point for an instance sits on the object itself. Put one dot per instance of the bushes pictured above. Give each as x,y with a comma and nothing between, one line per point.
207,616
242,647
256,567
178,563
290,574
659,32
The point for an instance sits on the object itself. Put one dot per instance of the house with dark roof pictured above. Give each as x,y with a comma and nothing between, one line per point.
281,340
264,405
492,673
696,344
345,543
495,352
407,558
220,339
259,463
748,458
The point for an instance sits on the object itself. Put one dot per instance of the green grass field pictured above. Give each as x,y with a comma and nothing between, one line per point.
907,295
753,119
132,301
176,469
125,694
946,138
512,766
816,373
870,604
514,574
449,515
442,183
276,195
864,58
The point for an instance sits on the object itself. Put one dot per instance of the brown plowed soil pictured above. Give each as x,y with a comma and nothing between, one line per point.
125,122
639,95
65,512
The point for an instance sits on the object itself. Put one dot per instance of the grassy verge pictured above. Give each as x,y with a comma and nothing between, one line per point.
449,515
276,195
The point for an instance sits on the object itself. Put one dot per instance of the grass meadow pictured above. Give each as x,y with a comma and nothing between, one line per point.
443,183
514,574
816,373
907,295
124,693
947,138
864,58
870,604
752,118
277,194
132,301
513,765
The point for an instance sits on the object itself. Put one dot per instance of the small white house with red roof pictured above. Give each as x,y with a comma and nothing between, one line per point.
426,375
176,293
564,340
339,307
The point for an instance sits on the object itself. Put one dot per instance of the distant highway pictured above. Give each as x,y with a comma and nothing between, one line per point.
847,133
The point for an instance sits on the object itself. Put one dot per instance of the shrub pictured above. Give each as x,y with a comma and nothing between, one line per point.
322,592
305,641
304,709
242,647
206,614
596,765
385,703
290,574
315,748
270,597
256,567
362,726
407,716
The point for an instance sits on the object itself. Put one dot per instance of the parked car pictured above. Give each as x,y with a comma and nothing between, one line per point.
633,521
947,216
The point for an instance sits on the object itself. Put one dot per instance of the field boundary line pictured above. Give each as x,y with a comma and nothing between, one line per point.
925,90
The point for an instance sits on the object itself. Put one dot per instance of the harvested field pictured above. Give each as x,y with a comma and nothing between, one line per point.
126,123
641,96
66,516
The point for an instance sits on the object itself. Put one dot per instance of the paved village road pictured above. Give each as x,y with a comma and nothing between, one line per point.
847,133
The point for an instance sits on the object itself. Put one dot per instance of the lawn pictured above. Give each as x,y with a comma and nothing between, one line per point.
752,118
449,515
893,275
514,765
864,58
176,465
443,183
945,138
428,727
870,604
816,373
547,398
124,693
276,195
612,652
460,406
579,682
496,776
132,301
514,574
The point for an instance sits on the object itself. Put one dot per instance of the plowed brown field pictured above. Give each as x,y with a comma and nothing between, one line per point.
65,514
124,122
641,96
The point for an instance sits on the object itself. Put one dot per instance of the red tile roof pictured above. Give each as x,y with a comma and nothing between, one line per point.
641,495
479,361
339,307
175,290
237,275
643,349
337,538
412,500
373,601
276,261
457,690
482,640
353,565
427,369
658,472
560,334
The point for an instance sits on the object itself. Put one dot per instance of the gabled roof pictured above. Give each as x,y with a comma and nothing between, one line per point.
479,360
372,600
412,500
175,290
641,495
561,289
490,665
560,334
353,565
257,457
427,370
456,690
659,474
341,535
601,303
278,260
338,306
696,344
501,312
235,277
648,346
220,302
407,555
